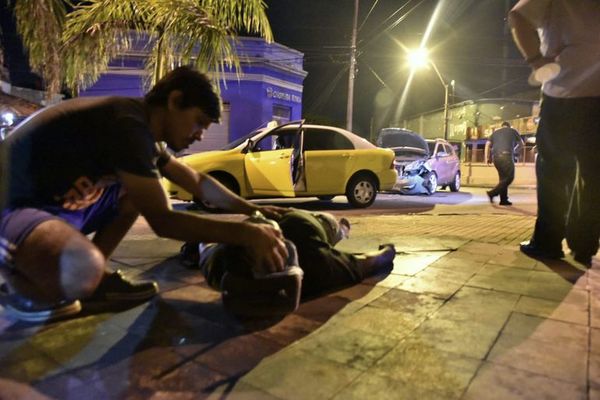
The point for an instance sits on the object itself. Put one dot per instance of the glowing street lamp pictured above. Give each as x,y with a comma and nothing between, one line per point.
419,58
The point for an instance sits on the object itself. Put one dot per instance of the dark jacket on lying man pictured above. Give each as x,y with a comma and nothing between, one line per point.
321,266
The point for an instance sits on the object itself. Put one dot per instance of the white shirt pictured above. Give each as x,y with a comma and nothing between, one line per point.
569,30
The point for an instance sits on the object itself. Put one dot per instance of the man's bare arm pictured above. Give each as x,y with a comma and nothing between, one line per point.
205,187
263,242
527,40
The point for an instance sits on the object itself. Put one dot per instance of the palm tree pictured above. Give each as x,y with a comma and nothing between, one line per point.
79,42
40,24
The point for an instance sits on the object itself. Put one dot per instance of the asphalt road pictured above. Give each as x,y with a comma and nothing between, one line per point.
470,200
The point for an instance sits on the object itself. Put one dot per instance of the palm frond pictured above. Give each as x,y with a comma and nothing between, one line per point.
40,24
191,34
78,46
96,32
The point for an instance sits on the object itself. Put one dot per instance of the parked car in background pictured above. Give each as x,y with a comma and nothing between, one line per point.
422,164
297,160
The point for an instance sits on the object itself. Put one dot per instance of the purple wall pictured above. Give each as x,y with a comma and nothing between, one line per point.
269,88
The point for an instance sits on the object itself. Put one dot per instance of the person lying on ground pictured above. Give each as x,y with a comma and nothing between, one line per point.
314,265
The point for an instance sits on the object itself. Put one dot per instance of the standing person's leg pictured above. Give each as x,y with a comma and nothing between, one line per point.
498,188
505,168
555,172
583,226
506,171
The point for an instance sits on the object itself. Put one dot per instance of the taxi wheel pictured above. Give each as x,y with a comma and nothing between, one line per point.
361,191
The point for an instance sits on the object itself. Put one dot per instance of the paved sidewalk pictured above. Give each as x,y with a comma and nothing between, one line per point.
463,315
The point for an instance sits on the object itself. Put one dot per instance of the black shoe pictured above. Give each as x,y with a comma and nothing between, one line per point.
489,195
189,254
536,252
31,311
505,203
115,287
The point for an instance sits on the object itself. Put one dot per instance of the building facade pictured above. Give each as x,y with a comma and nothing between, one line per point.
268,87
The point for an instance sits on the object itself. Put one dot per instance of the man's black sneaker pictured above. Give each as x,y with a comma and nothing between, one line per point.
115,287
536,252
189,254
505,203
31,311
489,195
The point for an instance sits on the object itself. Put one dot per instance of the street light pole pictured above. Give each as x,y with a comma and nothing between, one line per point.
352,72
446,90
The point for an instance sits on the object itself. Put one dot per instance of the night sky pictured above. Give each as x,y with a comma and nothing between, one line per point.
469,44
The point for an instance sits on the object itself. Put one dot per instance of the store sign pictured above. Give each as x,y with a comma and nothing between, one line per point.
279,95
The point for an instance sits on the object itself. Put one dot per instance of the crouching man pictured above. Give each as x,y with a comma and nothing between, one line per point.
92,165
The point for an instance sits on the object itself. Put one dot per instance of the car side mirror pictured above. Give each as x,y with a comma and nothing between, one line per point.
249,146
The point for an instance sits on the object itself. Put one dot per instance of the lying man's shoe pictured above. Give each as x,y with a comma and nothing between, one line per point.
31,311
536,252
375,261
189,254
115,287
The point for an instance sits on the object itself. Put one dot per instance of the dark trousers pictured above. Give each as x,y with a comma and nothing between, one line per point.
505,165
325,268
568,175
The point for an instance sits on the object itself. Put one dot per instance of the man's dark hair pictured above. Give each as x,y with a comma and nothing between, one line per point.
505,124
196,88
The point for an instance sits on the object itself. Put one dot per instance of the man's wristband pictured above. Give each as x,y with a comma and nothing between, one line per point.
534,58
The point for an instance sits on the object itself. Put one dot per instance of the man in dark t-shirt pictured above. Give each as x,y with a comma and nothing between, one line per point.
504,142
92,165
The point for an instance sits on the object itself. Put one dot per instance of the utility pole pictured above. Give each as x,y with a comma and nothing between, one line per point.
352,72
506,37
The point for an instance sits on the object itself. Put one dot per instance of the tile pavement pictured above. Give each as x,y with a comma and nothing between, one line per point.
463,315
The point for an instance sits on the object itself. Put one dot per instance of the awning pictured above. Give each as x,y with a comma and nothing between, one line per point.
20,107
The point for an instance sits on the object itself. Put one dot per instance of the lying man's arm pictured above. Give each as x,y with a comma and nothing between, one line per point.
205,187
263,242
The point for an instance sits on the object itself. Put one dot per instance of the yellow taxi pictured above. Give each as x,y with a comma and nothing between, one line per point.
297,160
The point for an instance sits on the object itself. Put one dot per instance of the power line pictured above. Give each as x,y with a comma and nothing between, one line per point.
368,14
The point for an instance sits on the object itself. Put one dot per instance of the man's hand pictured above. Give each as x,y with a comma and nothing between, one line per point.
266,248
273,212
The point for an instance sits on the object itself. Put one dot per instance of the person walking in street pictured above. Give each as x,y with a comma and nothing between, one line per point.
505,142
563,36
92,165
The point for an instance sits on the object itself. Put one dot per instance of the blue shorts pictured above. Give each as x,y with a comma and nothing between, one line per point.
17,223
